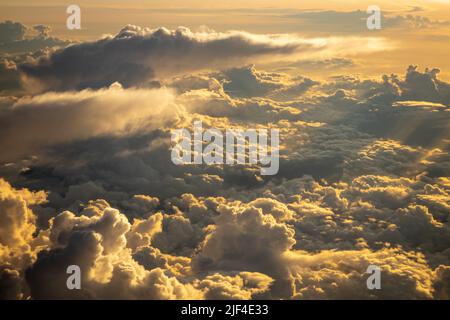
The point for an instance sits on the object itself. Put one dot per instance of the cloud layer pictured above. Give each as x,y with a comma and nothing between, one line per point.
137,56
87,177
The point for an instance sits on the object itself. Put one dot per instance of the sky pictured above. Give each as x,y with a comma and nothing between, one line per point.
406,43
88,178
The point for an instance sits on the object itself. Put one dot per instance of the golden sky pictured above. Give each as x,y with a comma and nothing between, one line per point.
427,47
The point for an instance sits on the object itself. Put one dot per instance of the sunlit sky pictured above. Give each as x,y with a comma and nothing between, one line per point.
92,121
426,47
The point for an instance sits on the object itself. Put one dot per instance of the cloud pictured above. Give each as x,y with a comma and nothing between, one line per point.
425,86
9,77
15,37
98,244
10,284
441,287
419,104
11,31
137,56
18,245
303,240
18,222
356,187
42,30
341,275
142,57
308,65
178,236
248,82
242,286
54,118
246,241
355,21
